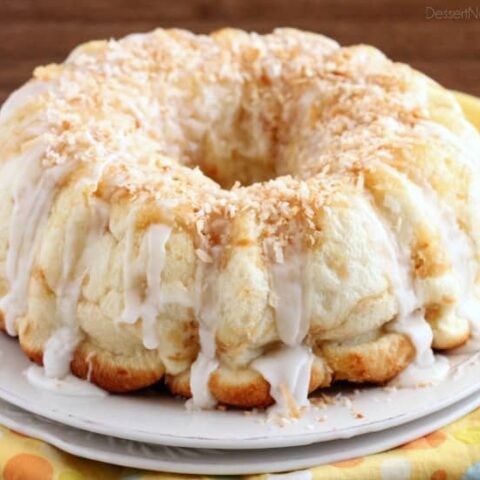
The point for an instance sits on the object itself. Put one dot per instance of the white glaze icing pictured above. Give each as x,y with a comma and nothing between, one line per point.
33,191
141,302
434,371
205,364
68,385
206,314
58,351
461,280
288,285
60,347
157,238
33,187
470,309
461,251
132,271
290,367
427,367
410,318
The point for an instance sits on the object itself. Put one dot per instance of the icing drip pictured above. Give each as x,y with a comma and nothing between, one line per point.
287,370
417,374
410,318
33,192
429,367
59,350
205,311
461,252
288,288
60,347
69,385
200,371
470,309
420,333
145,302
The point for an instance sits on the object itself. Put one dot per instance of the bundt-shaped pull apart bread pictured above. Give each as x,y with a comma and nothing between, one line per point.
246,217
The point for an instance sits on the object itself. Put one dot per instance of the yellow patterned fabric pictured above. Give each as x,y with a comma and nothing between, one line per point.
450,453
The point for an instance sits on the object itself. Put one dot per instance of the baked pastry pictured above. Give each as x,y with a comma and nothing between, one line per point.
248,217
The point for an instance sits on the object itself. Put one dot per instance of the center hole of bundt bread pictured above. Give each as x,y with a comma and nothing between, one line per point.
238,146
237,168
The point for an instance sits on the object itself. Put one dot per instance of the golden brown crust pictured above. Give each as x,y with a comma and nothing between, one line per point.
442,343
179,384
240,388
244,388
449,331
31,342
36,356
105,372
375,361
113,374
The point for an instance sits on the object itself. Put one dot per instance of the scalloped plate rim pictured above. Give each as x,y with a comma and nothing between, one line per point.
127,453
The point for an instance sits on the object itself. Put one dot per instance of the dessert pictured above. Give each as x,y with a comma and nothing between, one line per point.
246,217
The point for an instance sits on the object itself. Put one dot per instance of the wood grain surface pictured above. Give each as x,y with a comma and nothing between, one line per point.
34,32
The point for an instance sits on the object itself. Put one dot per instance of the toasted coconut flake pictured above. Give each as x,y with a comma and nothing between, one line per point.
203,256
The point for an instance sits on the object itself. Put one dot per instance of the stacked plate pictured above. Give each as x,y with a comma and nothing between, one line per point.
153,431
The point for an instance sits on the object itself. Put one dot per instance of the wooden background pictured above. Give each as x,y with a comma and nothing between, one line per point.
34,32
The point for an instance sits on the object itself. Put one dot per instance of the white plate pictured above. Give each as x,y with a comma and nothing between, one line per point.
159,419
224,462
